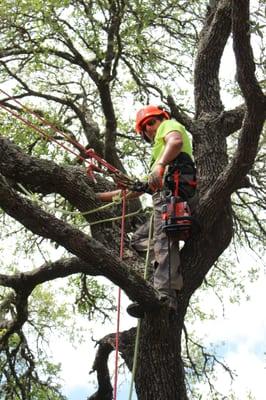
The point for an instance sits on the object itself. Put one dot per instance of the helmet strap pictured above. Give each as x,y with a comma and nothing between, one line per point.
145,137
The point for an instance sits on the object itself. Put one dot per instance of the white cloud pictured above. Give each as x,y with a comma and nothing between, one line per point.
241,337
251,373
75,363
243,330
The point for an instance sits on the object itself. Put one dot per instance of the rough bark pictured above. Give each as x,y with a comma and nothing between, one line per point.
160,359
160,373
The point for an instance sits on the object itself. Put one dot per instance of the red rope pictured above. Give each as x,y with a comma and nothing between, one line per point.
123,179
39,130
43,120
44,134
119,293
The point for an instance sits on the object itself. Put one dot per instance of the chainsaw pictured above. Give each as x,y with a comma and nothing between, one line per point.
176,214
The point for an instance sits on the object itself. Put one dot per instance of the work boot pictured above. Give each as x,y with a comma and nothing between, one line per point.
135,310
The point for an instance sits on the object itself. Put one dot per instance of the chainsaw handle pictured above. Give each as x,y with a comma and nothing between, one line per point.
195,227
141,187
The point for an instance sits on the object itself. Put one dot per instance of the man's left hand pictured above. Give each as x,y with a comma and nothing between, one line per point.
155,179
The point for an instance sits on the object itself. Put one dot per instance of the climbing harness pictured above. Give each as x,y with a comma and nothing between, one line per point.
176,214
177,221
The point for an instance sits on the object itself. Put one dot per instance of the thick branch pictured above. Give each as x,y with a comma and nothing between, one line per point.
100,365
231,120
47,177
105,346
212,42
47,272
244,56
252,125
78,243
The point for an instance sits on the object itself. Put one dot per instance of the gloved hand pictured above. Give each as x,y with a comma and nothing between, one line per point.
108,196
155,179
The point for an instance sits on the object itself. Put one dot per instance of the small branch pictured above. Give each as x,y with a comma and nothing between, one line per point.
21,304
180,115
105,346
100,365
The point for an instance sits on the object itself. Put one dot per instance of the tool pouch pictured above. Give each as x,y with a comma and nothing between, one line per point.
187,177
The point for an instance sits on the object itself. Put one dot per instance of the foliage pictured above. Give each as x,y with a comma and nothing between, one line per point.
86,66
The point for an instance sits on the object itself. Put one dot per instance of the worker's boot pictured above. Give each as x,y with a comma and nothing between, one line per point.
135,310
166,297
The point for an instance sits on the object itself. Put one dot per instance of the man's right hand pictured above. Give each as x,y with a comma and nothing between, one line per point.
155,179
107,196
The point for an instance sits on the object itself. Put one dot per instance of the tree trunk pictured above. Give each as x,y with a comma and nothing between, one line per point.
160,373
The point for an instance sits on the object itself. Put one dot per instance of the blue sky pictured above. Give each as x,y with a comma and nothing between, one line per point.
81,392
239,334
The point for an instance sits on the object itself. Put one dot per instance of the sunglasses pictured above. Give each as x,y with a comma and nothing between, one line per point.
150,122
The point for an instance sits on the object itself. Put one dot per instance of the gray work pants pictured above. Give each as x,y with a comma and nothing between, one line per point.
166,251
163,279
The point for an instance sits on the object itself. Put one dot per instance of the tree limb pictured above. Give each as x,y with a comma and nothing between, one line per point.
78,243
211,46
252,125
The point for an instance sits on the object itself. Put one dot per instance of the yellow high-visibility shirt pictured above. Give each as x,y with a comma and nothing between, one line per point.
166,127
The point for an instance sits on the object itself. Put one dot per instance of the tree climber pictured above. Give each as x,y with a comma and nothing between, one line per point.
171,149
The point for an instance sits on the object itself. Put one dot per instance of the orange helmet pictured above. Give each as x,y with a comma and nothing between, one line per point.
147,112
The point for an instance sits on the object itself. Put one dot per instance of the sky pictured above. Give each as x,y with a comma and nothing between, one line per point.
76,386
239,333
240,336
